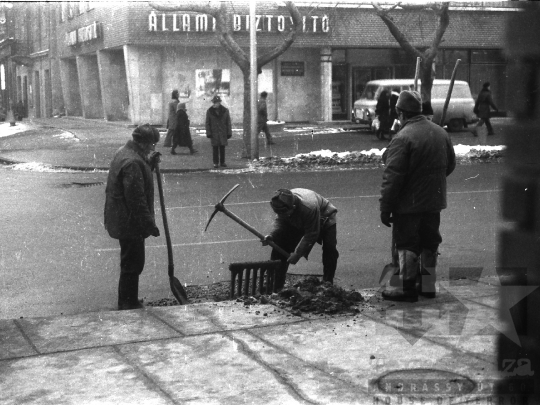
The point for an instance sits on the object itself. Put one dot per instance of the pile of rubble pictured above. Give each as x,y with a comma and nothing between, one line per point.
311,295
301,295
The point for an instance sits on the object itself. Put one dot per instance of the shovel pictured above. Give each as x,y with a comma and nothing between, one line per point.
176,287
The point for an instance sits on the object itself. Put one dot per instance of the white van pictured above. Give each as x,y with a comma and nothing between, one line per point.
460,108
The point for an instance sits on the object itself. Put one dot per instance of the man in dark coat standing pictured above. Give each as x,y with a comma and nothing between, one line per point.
182,134
129,208
171,118
303,219
482,108
219,130
262,118
413,193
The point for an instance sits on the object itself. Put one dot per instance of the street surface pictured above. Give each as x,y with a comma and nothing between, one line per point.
56,258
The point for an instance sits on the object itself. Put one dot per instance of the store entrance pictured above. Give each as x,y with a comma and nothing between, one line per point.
340,80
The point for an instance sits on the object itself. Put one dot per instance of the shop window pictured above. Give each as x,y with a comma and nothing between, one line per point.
451,55
487,56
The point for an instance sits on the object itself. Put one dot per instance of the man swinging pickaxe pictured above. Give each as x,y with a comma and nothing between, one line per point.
221,208
303,219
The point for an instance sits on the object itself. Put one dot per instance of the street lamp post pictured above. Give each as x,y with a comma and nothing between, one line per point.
253,81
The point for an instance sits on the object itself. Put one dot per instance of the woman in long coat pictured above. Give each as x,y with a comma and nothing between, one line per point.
181,134
171,118
219,130
382,111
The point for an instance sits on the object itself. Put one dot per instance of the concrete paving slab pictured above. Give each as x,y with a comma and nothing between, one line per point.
12,342
229,315
94,329
209,369
95,376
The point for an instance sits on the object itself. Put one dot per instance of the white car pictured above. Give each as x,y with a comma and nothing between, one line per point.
460,109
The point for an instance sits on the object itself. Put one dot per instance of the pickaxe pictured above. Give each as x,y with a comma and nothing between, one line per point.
220,207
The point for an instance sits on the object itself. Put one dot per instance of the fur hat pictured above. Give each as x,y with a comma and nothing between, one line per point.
282,201
216,99
181,106
410,100
146,134
486,85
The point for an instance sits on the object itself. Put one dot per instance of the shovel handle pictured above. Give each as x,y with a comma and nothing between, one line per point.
165,222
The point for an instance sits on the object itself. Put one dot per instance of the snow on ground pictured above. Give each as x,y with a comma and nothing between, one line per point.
67,136
6,129
42,168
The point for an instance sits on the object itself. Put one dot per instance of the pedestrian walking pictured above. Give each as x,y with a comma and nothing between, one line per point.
482,108
219,130
303,219
382,112
182,134
413,193
262,118
171,118
129,208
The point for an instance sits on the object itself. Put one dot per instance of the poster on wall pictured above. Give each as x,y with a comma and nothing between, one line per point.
213,81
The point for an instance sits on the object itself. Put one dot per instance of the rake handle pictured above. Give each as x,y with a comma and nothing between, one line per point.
255,232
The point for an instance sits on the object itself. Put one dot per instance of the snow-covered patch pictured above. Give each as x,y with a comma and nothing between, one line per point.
43,168
326,159
67,136
6,129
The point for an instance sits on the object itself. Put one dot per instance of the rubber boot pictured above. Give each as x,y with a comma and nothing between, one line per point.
426,281
128,292
408,272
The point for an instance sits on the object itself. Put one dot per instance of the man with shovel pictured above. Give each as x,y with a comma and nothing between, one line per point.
129,208
413,193
303,219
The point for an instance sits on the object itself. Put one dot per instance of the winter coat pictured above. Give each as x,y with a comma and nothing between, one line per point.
483,102
182,134
262,111
312,213
129,195
218,125
417,160
171,120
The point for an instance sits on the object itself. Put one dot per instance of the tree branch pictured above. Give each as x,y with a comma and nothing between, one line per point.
444,20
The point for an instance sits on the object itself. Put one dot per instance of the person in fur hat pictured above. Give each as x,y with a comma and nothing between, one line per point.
413,193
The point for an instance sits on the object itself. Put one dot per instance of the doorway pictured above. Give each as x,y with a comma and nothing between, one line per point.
37,95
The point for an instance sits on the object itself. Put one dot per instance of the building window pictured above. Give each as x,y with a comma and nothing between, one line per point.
487,56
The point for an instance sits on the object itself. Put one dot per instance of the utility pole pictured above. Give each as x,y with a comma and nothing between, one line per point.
253,80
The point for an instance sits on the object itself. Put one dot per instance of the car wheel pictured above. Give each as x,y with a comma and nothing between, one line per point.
455,125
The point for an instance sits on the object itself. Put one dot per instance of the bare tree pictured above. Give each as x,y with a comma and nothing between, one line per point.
219,11
428,54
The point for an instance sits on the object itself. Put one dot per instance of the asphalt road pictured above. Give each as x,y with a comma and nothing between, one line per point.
56,257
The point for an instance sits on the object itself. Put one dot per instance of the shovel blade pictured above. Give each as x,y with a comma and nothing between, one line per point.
178,291
389,270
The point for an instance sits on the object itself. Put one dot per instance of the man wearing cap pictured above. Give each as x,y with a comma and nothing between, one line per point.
219,130
182,134
303,219
129,208
413,193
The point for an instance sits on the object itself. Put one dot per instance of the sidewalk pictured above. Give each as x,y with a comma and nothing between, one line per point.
440,351
228,353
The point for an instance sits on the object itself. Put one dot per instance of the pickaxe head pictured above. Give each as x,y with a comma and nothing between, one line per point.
219,206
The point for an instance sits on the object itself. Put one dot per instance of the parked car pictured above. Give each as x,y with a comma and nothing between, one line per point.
460,109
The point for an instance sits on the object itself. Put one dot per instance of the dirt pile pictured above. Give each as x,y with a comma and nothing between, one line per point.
311,295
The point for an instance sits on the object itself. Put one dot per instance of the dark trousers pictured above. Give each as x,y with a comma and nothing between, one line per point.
288,238
132,258
264,127
416,232
218,154
488,125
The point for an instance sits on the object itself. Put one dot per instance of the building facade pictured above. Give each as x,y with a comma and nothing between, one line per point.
120,61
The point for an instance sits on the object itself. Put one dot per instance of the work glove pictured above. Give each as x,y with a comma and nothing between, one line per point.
155,231
267,238
154,158
386,218
293,258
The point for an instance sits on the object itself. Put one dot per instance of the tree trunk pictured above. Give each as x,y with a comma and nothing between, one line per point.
427,80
